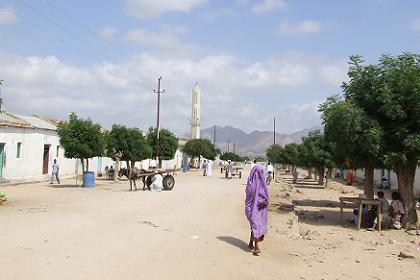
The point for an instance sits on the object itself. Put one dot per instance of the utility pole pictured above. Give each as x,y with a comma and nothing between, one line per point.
228,144
274,131
214,134
158,91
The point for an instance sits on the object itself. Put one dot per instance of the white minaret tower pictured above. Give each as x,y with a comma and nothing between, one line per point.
195,113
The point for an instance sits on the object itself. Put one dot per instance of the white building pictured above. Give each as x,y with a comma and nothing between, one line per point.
195,113
28,147
392,178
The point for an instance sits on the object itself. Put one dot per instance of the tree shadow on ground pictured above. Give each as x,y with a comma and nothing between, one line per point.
321,203
325,217
64,186
235,242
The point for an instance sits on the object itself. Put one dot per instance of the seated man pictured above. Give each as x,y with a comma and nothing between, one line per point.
384,184
157,182
385,207
397,210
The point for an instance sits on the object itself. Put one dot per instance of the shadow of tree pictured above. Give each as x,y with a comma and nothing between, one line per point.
62,186
320,203
235,242
324,217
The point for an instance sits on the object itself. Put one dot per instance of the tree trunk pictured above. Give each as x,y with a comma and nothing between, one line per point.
83,171
405,176
315,174
321,176
87,164
127,164
369,182
310,173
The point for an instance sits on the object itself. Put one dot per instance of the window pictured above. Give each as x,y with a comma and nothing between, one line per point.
19,150
58,151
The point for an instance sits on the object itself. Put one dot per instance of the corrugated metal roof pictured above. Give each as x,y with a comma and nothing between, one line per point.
9,119
38,123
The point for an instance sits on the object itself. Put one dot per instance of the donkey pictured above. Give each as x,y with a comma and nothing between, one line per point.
133,176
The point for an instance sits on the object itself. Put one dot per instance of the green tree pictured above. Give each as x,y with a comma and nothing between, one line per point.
200,147
394,102
130,142
353,136
230,156
315,152
81,139
168,143
274,153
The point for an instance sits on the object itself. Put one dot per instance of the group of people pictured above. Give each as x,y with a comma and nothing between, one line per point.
391,213
207,167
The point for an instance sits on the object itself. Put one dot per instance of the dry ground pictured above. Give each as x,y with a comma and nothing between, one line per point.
197,231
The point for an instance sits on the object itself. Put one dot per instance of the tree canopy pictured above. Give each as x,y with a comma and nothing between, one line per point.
129,141
168,143
200,147
230,156
393,101
354,137
81,139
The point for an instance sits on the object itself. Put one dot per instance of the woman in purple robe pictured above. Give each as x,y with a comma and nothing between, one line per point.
256,206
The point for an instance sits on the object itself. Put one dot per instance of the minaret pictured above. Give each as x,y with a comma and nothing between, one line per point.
195,113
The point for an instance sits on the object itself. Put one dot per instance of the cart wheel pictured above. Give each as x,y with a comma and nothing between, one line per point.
221,169
168,182
240,174
149,181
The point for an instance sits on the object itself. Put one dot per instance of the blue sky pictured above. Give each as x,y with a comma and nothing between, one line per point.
253,59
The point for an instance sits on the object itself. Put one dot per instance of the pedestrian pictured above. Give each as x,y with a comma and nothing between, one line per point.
55,169
209,168
229,170
256,207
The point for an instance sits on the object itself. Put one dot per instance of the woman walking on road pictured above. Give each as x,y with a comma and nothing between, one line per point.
256,206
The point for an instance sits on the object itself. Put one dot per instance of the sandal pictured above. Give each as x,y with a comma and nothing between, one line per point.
256,252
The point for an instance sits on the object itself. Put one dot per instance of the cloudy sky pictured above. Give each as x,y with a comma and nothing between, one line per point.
253,59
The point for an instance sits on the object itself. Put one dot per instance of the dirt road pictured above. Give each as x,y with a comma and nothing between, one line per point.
197,231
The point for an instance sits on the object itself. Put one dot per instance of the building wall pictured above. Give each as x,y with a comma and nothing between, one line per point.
30,163
359,174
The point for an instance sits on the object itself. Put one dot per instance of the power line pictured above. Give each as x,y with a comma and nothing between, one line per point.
78,38
86,28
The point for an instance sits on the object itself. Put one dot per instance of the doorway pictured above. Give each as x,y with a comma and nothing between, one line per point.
46,159
2,159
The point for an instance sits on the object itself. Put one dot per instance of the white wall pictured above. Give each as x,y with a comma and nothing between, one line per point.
359,174
29,165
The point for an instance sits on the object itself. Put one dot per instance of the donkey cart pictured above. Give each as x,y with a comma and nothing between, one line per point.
147,177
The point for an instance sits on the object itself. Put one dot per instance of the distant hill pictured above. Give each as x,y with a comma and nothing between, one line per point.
250,144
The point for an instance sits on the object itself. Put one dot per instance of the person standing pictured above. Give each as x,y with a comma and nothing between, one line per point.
55,169
209,168
229,170
256,207
270,172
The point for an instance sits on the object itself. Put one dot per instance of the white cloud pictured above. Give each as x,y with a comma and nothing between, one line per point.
268,6
108,32
7,16
163,38
415,24
156,8
306,26
233,92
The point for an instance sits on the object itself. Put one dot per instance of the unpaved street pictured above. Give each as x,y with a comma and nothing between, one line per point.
197,231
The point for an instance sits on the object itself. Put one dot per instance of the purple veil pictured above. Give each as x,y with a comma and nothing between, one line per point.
256,202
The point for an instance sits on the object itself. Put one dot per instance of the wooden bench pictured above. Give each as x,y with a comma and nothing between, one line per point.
362,201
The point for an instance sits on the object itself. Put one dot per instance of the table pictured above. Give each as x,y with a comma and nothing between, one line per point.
361,201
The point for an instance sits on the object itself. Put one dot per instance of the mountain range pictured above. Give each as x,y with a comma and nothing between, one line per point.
250,144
